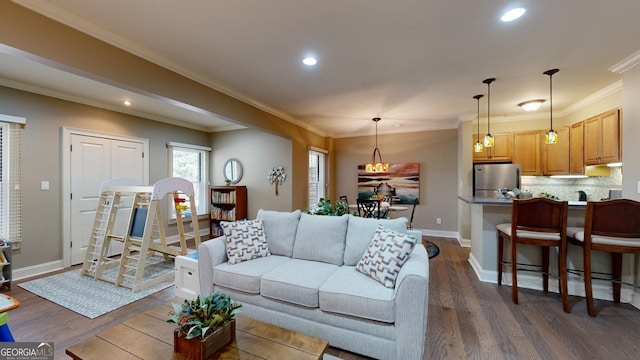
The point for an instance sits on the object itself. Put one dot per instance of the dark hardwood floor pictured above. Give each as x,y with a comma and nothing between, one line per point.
468,319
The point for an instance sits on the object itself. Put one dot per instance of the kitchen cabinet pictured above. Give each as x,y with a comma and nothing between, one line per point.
602,138
526,151
556,157
500,152
576,149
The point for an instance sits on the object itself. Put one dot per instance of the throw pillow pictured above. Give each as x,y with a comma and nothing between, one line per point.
245,240
280,229
388,251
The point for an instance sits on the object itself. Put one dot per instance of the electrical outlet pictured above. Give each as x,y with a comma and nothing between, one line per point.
438,221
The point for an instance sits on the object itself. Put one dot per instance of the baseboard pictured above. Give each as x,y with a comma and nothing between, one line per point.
635,299
439,233
483,275
29,271
575,285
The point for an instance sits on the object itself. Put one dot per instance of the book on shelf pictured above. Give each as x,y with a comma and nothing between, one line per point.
227,197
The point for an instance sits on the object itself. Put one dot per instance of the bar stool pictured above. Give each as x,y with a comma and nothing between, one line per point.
540,222
612,226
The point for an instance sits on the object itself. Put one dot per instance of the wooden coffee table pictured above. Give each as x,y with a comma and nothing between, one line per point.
149,336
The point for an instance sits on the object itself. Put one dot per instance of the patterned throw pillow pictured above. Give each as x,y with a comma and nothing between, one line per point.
387,253
245,240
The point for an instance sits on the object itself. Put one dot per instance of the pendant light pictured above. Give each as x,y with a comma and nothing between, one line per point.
376,166
488,139
477,147
552,136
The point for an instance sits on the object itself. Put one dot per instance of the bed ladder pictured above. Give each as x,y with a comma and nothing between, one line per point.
96,258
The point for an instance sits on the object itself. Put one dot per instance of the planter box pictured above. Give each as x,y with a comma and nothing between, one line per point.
202,349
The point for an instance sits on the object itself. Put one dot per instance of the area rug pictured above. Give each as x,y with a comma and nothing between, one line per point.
432,249
93,298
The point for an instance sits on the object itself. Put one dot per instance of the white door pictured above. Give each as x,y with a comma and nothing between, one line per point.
127,162
94,160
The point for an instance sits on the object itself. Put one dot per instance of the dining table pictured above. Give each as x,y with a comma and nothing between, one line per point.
384,206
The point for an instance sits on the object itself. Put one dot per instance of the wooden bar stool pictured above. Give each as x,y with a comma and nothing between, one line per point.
540,222
612,226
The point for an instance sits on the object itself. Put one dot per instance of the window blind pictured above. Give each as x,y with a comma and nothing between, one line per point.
11,130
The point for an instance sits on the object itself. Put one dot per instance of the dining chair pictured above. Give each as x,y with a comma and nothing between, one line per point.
344,198
369,208
413,212
611,226
540,222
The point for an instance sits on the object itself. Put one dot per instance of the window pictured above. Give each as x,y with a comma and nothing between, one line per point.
191,162
11,129
317,163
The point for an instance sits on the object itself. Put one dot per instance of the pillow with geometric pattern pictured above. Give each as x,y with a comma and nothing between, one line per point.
386,254
245,240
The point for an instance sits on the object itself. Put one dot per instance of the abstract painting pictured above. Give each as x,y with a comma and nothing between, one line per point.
404,178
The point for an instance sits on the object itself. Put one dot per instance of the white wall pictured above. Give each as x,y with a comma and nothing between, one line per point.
631,133
258,152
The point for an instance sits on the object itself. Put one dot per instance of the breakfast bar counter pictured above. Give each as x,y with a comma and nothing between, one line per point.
487,213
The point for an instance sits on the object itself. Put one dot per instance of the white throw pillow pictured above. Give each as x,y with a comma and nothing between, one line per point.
245,240
388,251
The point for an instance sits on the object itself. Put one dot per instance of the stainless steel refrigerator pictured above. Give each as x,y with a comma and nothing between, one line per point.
487,178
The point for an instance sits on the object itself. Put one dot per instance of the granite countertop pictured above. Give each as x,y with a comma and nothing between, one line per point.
506,202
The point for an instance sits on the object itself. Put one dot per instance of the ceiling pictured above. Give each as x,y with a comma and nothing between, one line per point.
414,63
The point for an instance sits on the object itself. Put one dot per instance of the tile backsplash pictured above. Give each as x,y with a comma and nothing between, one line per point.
596,187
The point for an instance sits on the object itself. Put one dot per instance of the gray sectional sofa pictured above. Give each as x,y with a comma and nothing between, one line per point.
309,283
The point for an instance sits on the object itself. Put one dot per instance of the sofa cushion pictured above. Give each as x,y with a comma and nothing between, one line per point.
321,238
246,275
350,292
245,240
360,232
388,251
296,282
280,229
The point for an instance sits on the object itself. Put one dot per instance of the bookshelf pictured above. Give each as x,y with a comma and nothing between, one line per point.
6,256
228,203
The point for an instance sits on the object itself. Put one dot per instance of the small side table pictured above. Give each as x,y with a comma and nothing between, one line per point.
187,281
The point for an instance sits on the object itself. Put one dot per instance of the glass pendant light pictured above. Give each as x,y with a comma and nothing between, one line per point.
376,166
488,139
551,136
477,147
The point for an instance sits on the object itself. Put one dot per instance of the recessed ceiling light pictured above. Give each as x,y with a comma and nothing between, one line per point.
513,14
309,61
127,102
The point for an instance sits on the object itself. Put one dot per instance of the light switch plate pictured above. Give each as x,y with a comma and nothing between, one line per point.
44,185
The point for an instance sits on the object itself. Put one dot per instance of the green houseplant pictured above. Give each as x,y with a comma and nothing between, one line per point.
326,208
205,325
203,315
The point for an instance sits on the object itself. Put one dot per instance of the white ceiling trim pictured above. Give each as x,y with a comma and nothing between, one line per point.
591,99
99,104
64,17
627,63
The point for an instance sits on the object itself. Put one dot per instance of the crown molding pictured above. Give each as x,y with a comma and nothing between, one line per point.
591,99
627,63
60,15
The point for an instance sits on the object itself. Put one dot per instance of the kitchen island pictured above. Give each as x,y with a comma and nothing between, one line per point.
487,213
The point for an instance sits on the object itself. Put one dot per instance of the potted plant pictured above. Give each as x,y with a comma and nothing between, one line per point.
326,208
205,325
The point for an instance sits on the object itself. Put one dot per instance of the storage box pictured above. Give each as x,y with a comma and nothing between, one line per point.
187,281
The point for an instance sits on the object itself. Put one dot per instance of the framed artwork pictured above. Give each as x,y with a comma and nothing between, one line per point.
403,178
